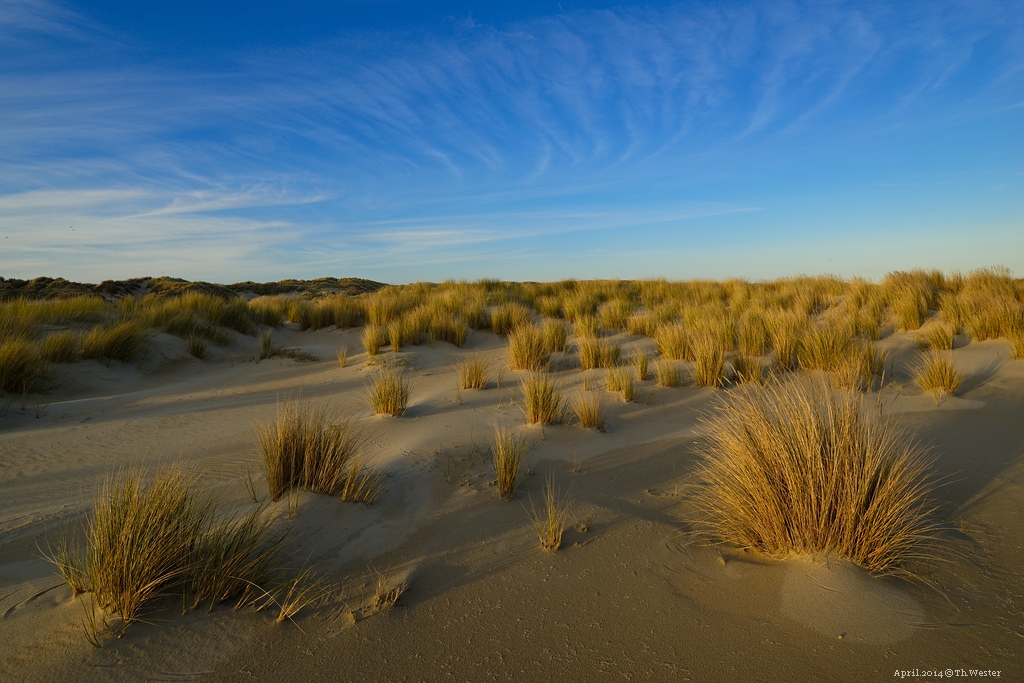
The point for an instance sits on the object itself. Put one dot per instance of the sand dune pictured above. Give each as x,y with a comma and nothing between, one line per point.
632,595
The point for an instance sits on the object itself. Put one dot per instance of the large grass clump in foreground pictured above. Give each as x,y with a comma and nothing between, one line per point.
795,469
145,541
302,448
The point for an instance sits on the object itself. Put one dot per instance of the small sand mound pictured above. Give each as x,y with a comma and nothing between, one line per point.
839,599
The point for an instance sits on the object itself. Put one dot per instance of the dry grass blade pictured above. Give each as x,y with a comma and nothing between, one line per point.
267,348
373,338
640,361
22,369
297,593
937,375
473,372
749,370
527,349
588,410
197,346
939,337
708,361
620,380
387,593
61,347
508,317
302,448
793,469
508,453
553,516
121,342
666,372
389,393
556,336
542,399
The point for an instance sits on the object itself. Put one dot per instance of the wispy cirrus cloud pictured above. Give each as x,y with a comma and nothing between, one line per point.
412,142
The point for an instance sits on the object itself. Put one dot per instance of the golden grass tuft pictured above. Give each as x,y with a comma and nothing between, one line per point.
120,342
939,337
620,380
396,332
597,353
508,454
825,346
587,407
785,330
22,369
542,399
552,517
527,349
708,361
666,372
795,469
860,367
389,392
642,323
508,317
937,375
586,327
640,362
1016,337
342,357
473,372
556,336
302,448
197,346
752,334
267,347
672,341
749,370
374,337
145,541
63,346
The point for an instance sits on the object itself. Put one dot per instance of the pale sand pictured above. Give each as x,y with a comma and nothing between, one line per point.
636,597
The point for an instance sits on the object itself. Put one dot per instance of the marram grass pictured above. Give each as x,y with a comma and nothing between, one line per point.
473,372
587,407
937,375
797,469
148,540
508,453
527,349
389,393
542,399
550,520
302,448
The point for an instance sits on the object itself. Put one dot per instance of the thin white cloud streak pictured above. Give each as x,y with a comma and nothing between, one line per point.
613,99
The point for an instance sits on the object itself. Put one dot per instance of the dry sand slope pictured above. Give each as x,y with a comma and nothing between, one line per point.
633,597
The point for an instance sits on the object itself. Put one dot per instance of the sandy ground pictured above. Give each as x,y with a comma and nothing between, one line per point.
633,597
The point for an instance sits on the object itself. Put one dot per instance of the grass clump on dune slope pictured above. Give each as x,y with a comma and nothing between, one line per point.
508,453
146,541
542,399
389,393
937,375
22,369
527,349
792,469
302,448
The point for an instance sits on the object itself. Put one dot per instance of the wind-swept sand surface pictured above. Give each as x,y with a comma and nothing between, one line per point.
633,594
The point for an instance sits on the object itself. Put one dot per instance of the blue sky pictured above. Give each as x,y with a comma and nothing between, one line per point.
404,141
